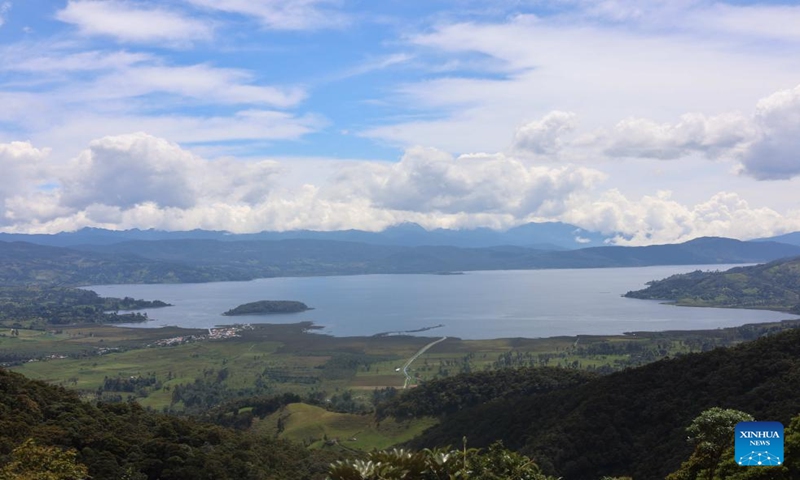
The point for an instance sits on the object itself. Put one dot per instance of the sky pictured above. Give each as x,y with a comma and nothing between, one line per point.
651,121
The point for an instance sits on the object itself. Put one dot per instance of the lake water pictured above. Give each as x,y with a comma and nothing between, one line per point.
476,305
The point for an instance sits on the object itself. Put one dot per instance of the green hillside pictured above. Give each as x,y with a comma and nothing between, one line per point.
633,422
773,286
123,440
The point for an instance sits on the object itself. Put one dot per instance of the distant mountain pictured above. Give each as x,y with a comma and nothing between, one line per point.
198,260
546,236
790,238
315,257
28,264
774,286
705,250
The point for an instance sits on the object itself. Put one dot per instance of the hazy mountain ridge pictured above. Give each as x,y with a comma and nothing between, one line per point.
790,238
199,260
545,236
28,264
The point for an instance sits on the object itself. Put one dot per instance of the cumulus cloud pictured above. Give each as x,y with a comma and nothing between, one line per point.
544,137
22,165
139,169
654,219
775,155
430,180
714,136
128,23
141,181
23,183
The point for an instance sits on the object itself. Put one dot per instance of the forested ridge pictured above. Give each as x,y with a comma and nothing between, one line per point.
631,422
774,285
453,394
122,440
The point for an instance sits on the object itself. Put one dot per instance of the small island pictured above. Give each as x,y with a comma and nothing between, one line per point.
265,307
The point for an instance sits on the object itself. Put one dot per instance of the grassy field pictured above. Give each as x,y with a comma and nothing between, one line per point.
116,363
317,427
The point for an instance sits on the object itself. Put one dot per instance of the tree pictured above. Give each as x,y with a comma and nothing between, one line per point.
468,464
30,461
712,433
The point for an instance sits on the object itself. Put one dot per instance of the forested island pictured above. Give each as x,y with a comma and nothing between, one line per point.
266,307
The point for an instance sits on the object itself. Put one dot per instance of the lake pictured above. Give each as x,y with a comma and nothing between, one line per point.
476,305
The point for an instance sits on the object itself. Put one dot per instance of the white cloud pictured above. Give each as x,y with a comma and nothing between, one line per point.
22,166
776,154
128,23
25,173
766,144
201,83
654,219
544,137
43,62
759,21
283,14
71,97
5,7
599,71
429,180
694,132
137,169
247,125
138,180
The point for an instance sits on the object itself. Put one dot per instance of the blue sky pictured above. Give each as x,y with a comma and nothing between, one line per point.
656,120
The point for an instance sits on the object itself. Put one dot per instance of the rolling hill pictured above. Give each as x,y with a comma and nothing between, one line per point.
772,286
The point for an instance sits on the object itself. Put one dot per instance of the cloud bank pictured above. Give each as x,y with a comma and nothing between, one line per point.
138,180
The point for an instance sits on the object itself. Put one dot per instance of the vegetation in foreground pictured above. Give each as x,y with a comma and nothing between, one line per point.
125,441
631,422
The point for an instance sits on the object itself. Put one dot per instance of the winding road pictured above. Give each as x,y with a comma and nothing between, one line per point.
411,360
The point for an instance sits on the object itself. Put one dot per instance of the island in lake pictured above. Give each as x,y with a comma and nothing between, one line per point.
264,307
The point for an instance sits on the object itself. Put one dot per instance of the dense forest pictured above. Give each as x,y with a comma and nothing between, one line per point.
122,440
774,286
450,395
629,422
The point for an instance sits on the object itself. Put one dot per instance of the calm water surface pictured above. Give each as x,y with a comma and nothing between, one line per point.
476,305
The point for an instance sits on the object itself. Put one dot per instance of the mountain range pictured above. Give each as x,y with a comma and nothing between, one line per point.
203,260
545,236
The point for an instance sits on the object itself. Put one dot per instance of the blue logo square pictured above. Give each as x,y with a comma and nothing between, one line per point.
759,444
